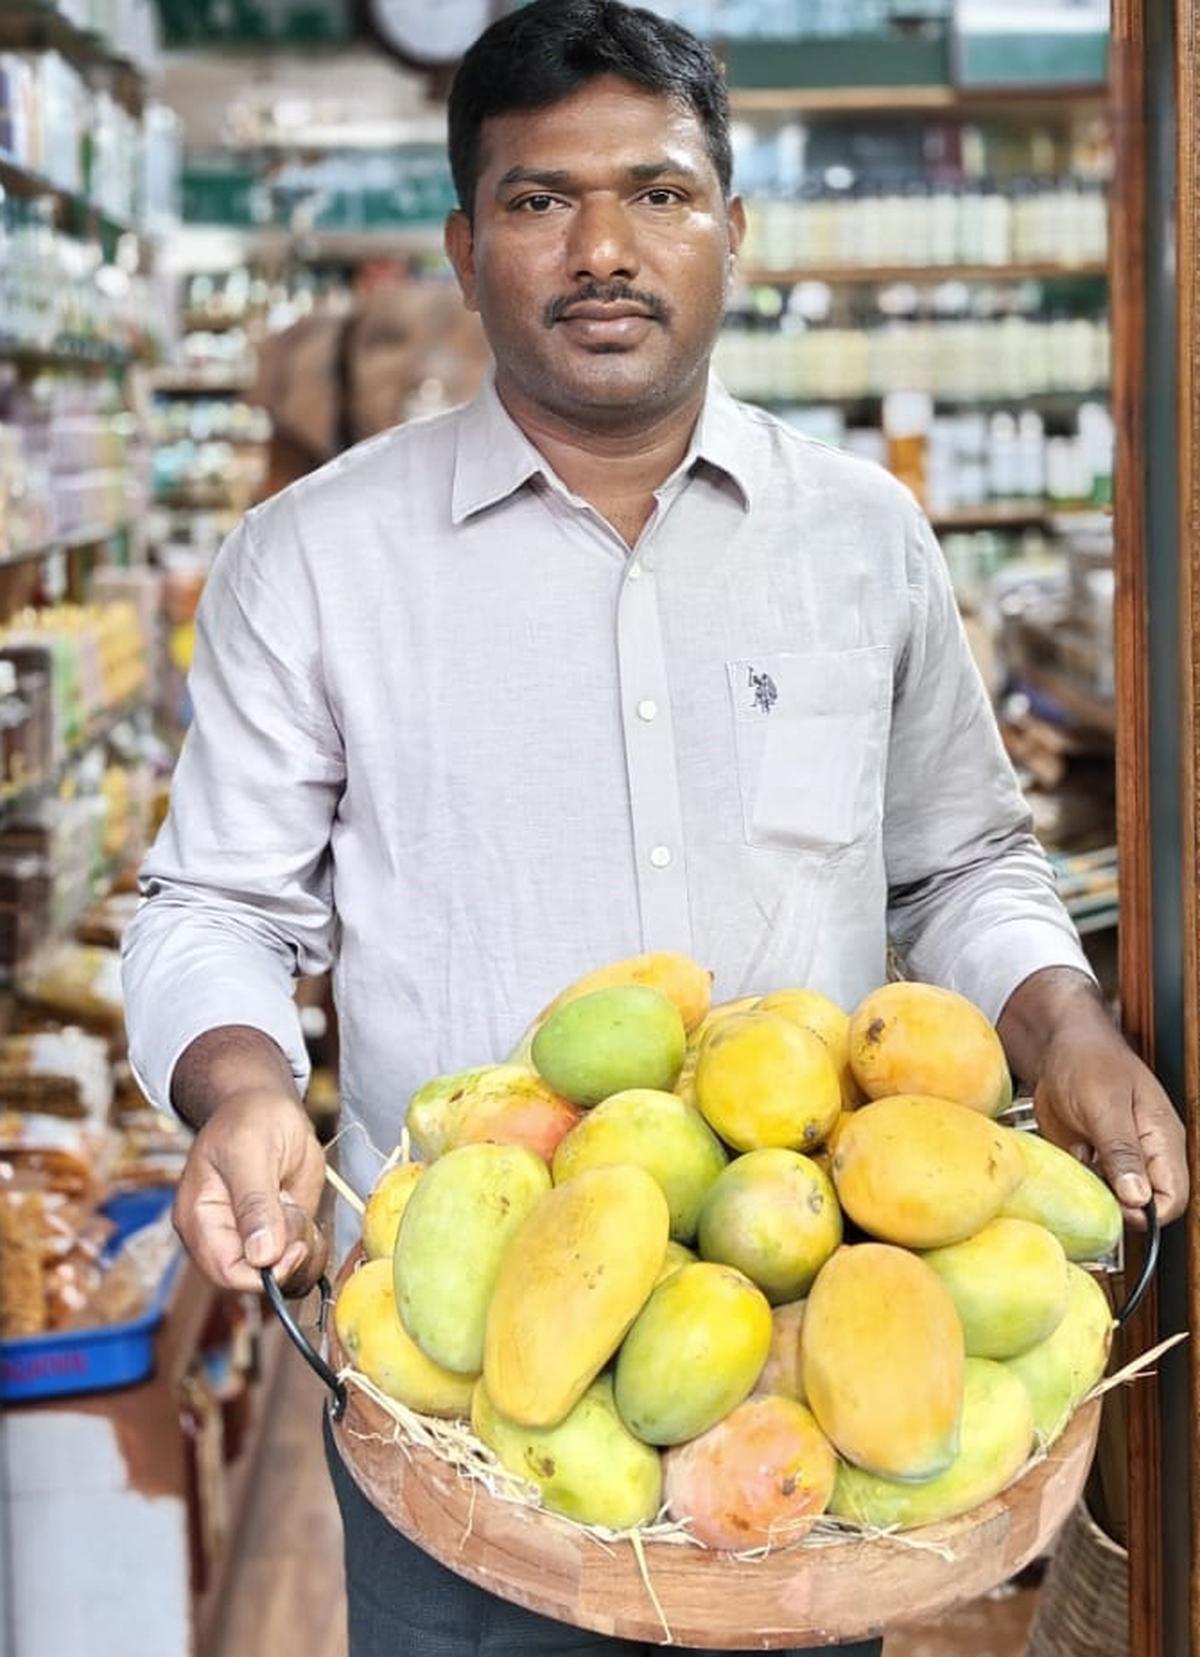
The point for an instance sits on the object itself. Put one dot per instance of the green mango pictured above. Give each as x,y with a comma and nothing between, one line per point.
997,1439
629,1036
1059,1372
1064,1196
1008,1284
453,1235
657,1131
589,1467
693,1353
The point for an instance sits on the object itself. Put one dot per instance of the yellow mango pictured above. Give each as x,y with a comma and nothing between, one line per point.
882,1361
685,1085
658,1132
813,1011
459,1222
1008,1284
997,1441
377,1343
774,1216
693,1353
917,1038
781,1374
577,1273
763,1082
385,1208
922,1172
589,1467
1060,1371
1059,1193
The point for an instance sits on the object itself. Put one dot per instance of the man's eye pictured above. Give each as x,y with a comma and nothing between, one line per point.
538,204
663,198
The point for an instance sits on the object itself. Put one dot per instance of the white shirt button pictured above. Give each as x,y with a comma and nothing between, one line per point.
647,710
635,572
660,856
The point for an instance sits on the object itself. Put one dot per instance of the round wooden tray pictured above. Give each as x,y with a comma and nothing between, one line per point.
797,1596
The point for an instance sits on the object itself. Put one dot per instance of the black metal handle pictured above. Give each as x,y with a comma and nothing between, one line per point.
1138,1293
300,1341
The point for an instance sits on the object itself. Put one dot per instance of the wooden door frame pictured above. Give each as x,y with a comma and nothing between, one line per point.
1156,404
1187,101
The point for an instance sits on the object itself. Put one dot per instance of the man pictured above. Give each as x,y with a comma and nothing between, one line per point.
603,662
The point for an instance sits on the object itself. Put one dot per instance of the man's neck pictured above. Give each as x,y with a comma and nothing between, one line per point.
618,471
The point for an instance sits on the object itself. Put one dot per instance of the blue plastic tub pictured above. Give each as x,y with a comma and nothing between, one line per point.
94,1360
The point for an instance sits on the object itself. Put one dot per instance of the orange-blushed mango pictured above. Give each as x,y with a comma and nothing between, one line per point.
759,1478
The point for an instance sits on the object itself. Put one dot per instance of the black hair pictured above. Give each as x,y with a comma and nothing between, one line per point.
546,51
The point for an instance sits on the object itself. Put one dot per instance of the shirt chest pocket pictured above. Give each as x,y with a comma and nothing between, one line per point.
811,735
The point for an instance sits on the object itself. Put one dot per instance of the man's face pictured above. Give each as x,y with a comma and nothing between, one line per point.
600,253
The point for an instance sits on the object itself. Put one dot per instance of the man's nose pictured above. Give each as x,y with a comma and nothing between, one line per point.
602,244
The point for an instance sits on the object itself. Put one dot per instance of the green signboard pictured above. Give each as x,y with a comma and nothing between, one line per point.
257,22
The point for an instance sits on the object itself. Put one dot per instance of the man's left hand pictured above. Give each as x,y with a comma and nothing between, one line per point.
1093,1095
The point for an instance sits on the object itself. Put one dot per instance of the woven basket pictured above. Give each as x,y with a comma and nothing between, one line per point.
1083,1608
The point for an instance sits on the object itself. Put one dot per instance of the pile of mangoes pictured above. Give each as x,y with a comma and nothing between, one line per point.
752,1263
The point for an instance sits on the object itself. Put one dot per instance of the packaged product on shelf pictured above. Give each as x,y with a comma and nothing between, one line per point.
76,981
64,1073
54,1153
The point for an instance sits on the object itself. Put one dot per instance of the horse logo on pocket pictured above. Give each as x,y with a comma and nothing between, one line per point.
766,693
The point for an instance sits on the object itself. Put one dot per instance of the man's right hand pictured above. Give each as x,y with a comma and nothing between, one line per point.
252,1183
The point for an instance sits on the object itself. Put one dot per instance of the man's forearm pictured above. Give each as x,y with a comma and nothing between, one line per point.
225,1062
1038,1010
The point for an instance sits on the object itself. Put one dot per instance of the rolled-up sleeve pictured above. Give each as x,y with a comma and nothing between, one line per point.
237,888
972,899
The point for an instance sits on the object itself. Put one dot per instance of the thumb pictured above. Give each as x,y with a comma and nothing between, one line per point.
252,1180
1119,1150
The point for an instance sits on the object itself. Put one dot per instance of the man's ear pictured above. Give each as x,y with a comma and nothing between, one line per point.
460,250
736,217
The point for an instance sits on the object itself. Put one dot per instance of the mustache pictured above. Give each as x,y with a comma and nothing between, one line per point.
607,293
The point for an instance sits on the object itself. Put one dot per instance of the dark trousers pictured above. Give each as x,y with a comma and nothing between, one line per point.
402,1603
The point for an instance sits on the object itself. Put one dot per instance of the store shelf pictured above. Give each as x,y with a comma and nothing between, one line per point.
1073,701
1010,102
93,536
193,382
869,275
991,515
1045,402
20,180
34,26
84,355
13,800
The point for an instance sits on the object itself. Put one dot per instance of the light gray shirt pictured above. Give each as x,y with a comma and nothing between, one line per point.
452,735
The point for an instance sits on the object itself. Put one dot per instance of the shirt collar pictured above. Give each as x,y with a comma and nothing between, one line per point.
494,458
